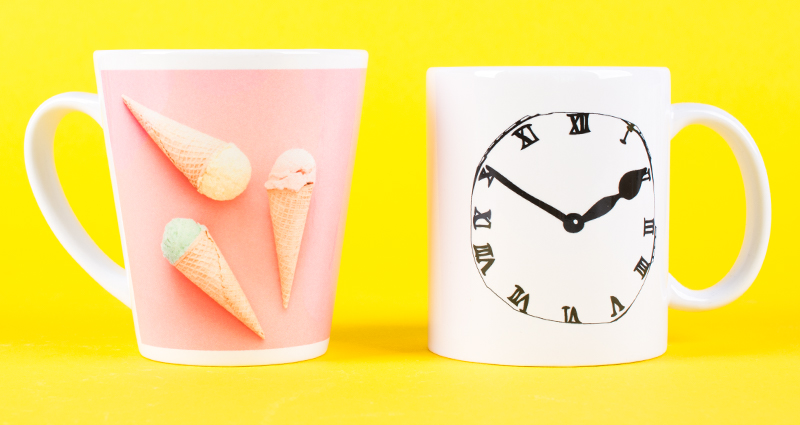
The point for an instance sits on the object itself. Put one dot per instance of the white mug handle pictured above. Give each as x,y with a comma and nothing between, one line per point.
41,167
758,209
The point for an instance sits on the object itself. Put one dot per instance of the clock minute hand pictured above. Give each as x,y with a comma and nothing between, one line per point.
629,186
516,189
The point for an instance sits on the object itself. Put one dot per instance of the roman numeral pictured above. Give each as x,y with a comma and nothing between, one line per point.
486,175
615,306
646,175
649,227
631,128
483,254
526,134
517,298
487,217
570,314
642,267
580,123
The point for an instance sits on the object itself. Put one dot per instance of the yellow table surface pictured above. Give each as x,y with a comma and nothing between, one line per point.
734,365
67,349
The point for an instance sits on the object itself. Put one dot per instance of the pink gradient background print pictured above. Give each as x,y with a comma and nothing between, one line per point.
263,112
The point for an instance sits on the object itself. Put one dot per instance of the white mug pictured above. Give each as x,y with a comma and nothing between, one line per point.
549,213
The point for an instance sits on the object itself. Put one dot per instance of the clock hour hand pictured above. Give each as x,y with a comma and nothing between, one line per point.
516,189
629,186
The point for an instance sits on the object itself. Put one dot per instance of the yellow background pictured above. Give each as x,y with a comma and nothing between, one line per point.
67,348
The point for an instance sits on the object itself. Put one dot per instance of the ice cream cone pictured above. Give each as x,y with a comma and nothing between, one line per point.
203,264
215,168
288,210
290,183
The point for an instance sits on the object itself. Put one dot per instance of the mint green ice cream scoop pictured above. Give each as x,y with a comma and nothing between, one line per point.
178,235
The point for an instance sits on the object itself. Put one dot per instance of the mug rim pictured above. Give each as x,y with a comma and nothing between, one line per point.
546,67
653,73
212,59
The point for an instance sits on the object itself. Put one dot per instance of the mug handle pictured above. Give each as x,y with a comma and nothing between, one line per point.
41,167
758,209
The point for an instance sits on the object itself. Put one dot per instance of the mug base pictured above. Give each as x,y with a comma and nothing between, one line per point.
234,358
542,362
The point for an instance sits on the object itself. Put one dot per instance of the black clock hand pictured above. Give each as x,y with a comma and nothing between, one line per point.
514,188
629,186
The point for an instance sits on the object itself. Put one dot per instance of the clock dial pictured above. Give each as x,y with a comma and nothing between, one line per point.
563,217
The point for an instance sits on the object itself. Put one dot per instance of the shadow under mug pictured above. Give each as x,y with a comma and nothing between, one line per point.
245,275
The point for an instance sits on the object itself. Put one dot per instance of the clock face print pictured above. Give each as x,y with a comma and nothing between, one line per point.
563,217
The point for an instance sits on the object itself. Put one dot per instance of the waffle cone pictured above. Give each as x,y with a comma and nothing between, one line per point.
188,149
289,210
205,266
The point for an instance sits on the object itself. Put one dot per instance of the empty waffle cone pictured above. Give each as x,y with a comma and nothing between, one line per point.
215,168
205,266
288,210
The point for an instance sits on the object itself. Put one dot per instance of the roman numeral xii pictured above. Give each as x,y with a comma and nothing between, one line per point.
580,123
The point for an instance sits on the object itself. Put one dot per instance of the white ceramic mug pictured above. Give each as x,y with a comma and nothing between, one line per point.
219,268
548,213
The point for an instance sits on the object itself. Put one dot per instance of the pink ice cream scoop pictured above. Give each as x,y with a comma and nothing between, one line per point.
294,169
289,185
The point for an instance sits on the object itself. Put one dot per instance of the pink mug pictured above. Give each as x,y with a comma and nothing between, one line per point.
231,174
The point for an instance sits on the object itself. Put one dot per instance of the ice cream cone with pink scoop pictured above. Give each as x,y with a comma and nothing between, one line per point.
215,168
290,184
